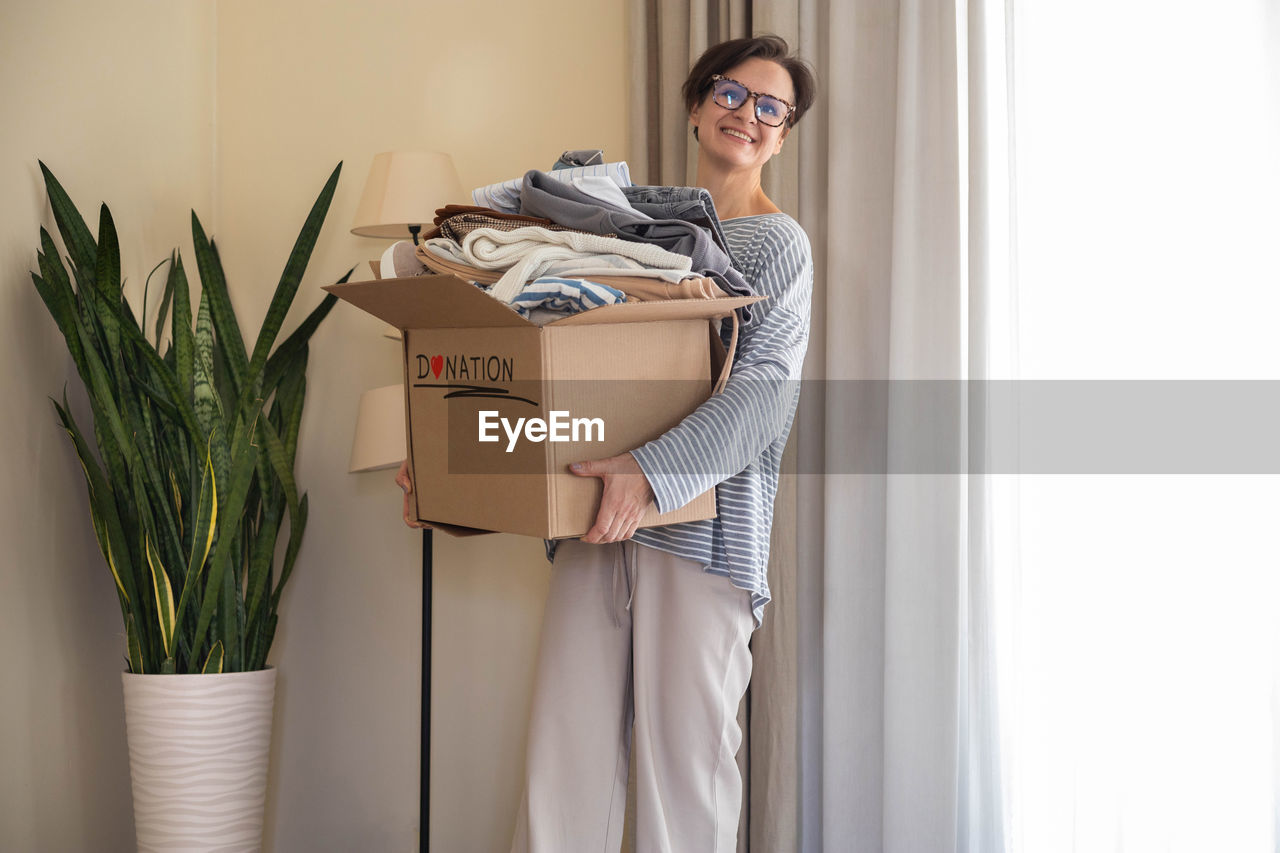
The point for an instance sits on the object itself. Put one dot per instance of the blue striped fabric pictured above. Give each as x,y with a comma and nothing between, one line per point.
565,295
735,440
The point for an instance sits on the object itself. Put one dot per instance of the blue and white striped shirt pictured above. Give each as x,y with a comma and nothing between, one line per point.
735,439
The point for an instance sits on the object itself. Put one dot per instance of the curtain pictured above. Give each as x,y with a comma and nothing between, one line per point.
896,546
1143,708
872,714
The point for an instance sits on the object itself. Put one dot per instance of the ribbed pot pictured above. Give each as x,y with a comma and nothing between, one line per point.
198,750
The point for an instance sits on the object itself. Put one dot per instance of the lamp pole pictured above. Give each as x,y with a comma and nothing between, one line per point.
424,809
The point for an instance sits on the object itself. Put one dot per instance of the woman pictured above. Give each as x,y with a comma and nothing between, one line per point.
654,624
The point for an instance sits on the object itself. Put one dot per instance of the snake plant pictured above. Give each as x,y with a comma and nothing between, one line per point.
192,483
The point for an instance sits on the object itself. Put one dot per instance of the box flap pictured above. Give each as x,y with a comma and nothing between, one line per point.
427,302
644,312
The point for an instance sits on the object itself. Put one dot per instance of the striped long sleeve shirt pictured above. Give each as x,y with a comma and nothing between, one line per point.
735,439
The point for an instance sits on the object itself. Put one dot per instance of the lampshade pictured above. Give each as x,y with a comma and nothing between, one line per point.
404,188
379,441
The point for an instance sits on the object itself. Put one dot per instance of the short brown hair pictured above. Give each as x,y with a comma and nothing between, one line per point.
719,58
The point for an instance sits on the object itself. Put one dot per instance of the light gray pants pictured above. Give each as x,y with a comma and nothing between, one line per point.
634,633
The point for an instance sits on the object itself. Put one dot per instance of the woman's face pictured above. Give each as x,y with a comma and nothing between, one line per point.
736,138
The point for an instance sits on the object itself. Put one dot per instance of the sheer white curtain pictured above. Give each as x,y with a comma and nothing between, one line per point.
1142,697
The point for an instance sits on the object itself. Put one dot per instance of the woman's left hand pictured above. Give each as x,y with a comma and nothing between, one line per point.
627,495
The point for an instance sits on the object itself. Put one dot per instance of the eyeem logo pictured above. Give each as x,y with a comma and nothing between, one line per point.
560,428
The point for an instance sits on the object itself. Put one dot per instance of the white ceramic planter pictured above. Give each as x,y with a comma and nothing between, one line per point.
198,751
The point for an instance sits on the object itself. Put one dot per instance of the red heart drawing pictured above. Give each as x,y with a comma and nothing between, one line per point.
437,362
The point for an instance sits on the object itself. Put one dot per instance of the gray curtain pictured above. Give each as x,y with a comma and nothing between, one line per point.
900,747
871,715
666,38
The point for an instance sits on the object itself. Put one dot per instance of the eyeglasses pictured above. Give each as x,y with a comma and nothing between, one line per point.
731,95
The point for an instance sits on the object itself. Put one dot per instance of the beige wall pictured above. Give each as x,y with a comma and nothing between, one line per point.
80,91
240,109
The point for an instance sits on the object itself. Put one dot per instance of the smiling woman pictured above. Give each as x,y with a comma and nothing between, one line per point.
652,626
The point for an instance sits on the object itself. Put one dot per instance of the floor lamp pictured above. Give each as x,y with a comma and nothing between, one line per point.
400,197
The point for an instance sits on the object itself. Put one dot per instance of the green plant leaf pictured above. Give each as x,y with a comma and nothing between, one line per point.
230,619
214,282
102,510
60,299
289,398
287,288
204,528
183,340
75,234
280,463
244,457
108,258
143,525
177,503
176,396
283,467
284,355
102,401
102,500
164,598
128,320
260,643
144,459
291,553
164,297
208,405
258,579
213,663
134,645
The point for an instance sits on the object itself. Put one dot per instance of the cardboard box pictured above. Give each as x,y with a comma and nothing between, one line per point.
497,407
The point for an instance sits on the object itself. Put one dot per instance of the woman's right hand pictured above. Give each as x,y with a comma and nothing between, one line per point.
403,481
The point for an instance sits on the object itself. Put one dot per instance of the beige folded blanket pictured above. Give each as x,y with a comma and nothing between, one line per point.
637,288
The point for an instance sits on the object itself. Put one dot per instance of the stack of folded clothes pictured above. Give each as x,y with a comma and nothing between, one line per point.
559,242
